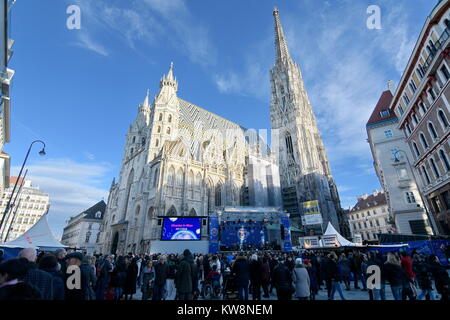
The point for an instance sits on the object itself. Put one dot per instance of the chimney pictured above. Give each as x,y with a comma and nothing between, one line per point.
390,85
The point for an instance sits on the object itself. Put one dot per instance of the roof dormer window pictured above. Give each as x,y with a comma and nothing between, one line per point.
385,113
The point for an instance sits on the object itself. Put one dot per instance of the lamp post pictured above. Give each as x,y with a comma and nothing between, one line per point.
396,160
41,153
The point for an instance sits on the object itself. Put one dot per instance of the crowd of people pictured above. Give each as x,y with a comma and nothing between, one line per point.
295,275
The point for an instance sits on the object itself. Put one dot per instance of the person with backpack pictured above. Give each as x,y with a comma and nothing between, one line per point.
105,269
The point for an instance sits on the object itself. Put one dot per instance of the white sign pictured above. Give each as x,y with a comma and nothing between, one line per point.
310,242
357,238
330,240
313,219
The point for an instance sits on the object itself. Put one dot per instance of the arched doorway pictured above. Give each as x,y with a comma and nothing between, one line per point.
115,243
172,212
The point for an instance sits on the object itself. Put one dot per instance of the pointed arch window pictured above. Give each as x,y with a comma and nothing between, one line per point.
198,186
289,147
170,180
218,195
432,131
179,182
434,167
191,185
209,195
168,131
424,141
172,212
143,142
155,177
443,119
444,160
128,191
157,143
170,118
192,213
416,149
158,130
160,117
425,174
134,140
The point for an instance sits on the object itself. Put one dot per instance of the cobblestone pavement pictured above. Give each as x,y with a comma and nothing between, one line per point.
353,294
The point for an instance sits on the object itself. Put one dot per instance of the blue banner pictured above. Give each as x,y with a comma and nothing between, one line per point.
287,245
213,234
425,246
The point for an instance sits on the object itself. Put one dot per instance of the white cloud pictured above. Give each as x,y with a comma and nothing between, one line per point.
145,23
85,41
72,186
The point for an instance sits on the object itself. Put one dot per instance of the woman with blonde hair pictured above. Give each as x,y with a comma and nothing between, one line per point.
392,272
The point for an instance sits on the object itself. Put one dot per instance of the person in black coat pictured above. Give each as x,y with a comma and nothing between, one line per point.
441,278
256,277
241,271
186,277
74,261
49,263
12,285
118,277
282,279
161,274
131,279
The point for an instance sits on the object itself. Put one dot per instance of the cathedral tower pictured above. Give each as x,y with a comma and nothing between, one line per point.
304,170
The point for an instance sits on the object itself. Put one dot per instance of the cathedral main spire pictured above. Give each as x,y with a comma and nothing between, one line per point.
281,47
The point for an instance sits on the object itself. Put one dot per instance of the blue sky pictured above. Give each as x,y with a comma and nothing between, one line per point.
78,90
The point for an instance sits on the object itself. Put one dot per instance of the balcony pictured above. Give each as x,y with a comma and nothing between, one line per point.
438,46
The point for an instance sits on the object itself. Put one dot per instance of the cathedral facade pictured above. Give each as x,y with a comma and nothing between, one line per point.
181,160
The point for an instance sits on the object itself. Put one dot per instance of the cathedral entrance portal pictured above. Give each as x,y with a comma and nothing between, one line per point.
115,243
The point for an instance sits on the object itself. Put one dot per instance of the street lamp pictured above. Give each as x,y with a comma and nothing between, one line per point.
396,160
41,153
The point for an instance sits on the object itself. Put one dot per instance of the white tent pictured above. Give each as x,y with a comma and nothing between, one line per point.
38,236
342,241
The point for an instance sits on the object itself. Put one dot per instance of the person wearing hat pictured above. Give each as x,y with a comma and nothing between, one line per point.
76,279
301,280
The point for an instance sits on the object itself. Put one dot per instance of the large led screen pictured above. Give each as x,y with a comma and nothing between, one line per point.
181,229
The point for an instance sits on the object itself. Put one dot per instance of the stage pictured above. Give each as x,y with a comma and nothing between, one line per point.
249,229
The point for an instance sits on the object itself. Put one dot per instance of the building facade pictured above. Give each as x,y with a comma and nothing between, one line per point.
303,163
370,217
422,105
181,160
82,231
31,204
6,76
392,165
